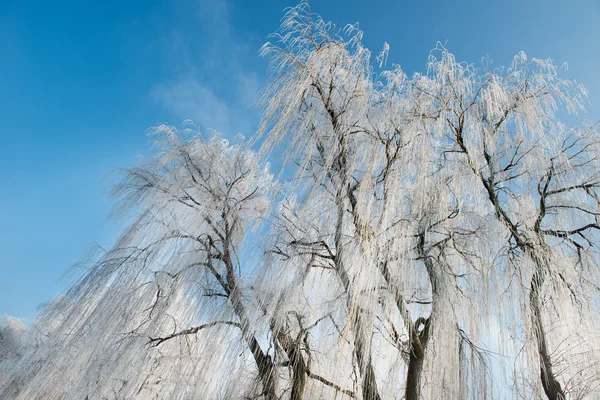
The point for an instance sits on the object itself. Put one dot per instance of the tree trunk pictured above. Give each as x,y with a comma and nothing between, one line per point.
263,361
362,350
417,357
296,362
552,387
417,342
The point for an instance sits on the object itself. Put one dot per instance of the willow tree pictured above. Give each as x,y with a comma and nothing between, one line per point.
540,180
432,236
175,273
365,215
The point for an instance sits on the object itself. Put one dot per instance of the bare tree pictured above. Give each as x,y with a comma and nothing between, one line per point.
431,236
176,271
354,138
502,126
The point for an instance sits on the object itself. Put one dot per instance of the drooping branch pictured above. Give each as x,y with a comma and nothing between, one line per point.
155,342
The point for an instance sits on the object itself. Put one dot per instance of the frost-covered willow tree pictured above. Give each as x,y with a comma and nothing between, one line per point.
368,216
432,237
127,328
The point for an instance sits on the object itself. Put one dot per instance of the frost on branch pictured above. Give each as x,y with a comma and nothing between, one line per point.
128,326
433,237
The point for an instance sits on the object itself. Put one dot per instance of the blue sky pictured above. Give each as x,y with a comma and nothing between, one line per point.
82,81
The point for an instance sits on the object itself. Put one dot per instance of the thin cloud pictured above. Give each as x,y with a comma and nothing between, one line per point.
190,99
213,79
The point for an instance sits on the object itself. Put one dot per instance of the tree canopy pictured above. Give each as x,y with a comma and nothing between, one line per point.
430,236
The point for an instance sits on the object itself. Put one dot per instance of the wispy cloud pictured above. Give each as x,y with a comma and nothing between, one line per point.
213,79
190,99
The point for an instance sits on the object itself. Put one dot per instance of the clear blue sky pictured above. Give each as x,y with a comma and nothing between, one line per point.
82,81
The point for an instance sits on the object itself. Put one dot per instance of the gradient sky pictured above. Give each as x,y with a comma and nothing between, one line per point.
82,81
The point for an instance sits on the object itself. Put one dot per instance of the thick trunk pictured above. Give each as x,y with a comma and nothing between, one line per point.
416,359
296,363
362,338
263,361
417,342
265,371
362,351
299,382
552,387
433,336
